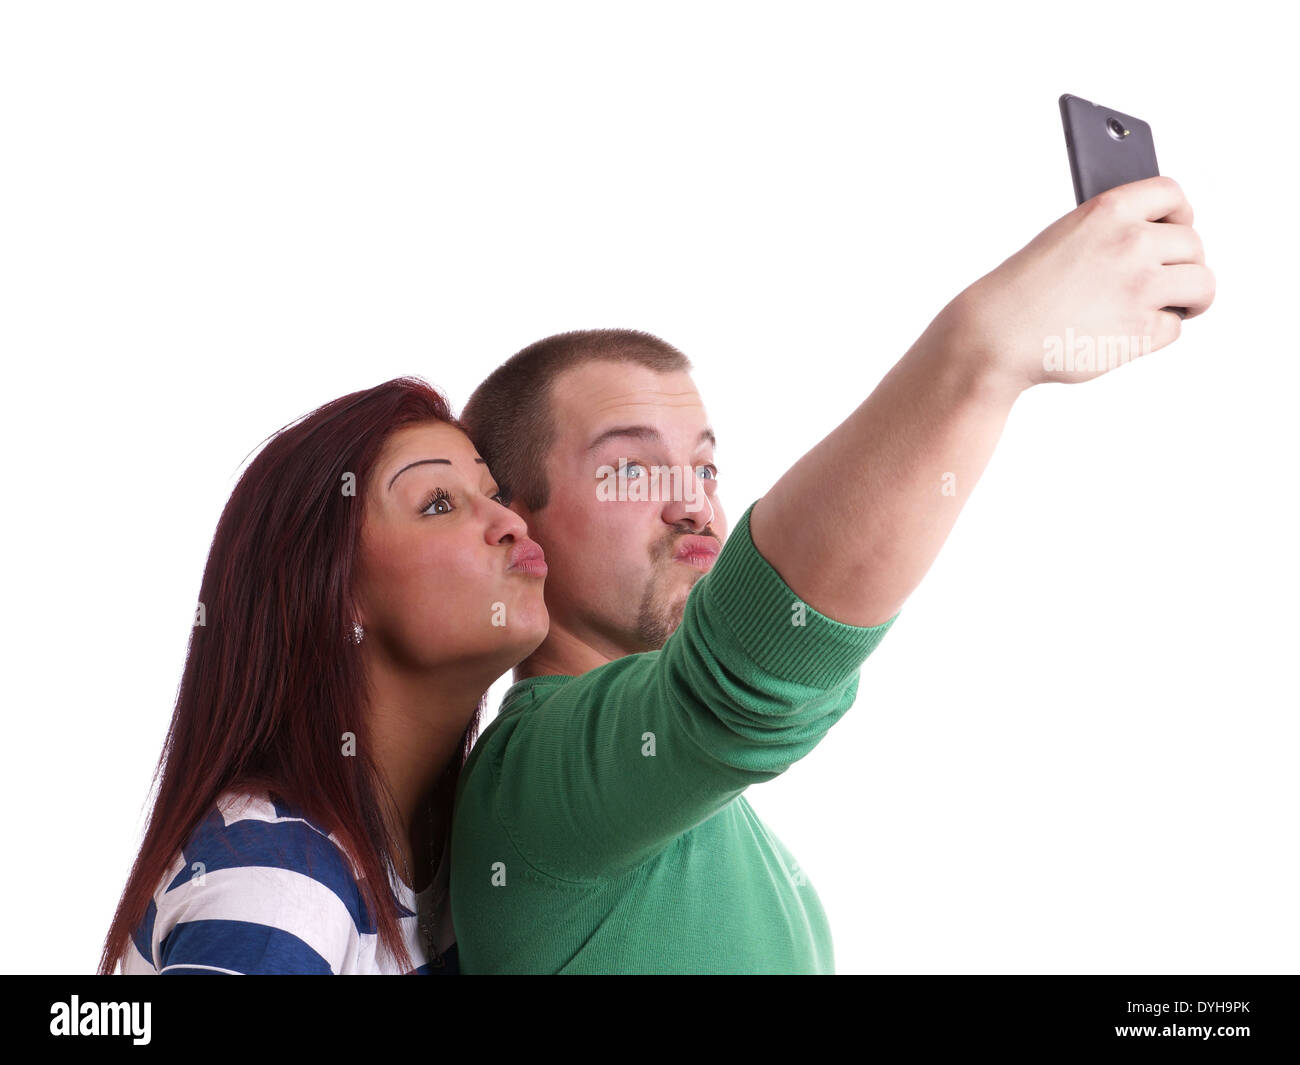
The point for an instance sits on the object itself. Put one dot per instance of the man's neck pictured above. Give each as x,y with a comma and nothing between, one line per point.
565,654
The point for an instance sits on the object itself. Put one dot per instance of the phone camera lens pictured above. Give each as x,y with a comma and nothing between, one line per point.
1116,129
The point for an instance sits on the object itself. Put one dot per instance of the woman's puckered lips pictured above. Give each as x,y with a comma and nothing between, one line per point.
528,558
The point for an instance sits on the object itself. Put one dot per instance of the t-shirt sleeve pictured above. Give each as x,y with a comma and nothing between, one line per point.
258,897
606,769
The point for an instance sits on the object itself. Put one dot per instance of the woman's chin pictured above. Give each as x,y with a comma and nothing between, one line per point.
524,635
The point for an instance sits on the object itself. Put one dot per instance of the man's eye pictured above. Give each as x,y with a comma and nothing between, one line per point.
710,469
627,468
438,503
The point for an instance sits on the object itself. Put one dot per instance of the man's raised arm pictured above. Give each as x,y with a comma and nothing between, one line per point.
856,523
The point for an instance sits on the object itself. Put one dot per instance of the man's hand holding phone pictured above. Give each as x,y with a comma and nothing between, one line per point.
1108,269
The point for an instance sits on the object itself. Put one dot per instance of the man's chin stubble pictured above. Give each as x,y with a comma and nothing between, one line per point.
658,616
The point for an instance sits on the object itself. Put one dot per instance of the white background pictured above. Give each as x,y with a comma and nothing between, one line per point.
1074,752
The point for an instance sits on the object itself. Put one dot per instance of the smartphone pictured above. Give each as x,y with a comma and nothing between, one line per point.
1106,148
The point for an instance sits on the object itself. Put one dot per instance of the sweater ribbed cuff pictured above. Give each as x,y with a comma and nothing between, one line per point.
746,595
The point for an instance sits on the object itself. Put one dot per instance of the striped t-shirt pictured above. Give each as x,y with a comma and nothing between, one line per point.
259,889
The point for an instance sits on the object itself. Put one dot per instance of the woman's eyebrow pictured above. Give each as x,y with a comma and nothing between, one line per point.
421,462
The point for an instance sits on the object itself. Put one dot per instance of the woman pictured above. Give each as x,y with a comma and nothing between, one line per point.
365,586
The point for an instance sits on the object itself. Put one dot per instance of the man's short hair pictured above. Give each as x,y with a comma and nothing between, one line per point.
509,416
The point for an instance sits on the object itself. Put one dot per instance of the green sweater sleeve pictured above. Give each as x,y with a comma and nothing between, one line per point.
593,775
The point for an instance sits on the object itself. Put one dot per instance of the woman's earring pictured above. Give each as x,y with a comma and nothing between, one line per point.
358,633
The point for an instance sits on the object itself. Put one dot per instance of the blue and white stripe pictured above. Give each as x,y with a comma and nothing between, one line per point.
260,889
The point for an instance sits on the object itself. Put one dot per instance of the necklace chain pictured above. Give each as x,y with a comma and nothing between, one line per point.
424,919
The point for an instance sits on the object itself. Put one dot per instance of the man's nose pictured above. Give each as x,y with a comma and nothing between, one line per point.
688,502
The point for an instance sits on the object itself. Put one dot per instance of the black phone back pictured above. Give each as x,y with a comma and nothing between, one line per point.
1106,147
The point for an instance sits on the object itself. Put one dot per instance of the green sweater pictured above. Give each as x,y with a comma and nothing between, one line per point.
600,822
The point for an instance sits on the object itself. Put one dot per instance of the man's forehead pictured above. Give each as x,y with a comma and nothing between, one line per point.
598,392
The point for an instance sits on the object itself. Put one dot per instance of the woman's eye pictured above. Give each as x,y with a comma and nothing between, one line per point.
629,467
438,503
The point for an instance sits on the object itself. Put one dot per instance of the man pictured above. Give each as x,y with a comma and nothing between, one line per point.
601,824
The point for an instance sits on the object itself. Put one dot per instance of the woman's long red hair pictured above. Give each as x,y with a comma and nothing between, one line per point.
273,678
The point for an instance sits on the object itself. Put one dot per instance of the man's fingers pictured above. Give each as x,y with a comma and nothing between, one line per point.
1176,243
1189,285
1157,199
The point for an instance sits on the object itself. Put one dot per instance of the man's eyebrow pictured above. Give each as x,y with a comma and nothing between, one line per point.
422,462
644,432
